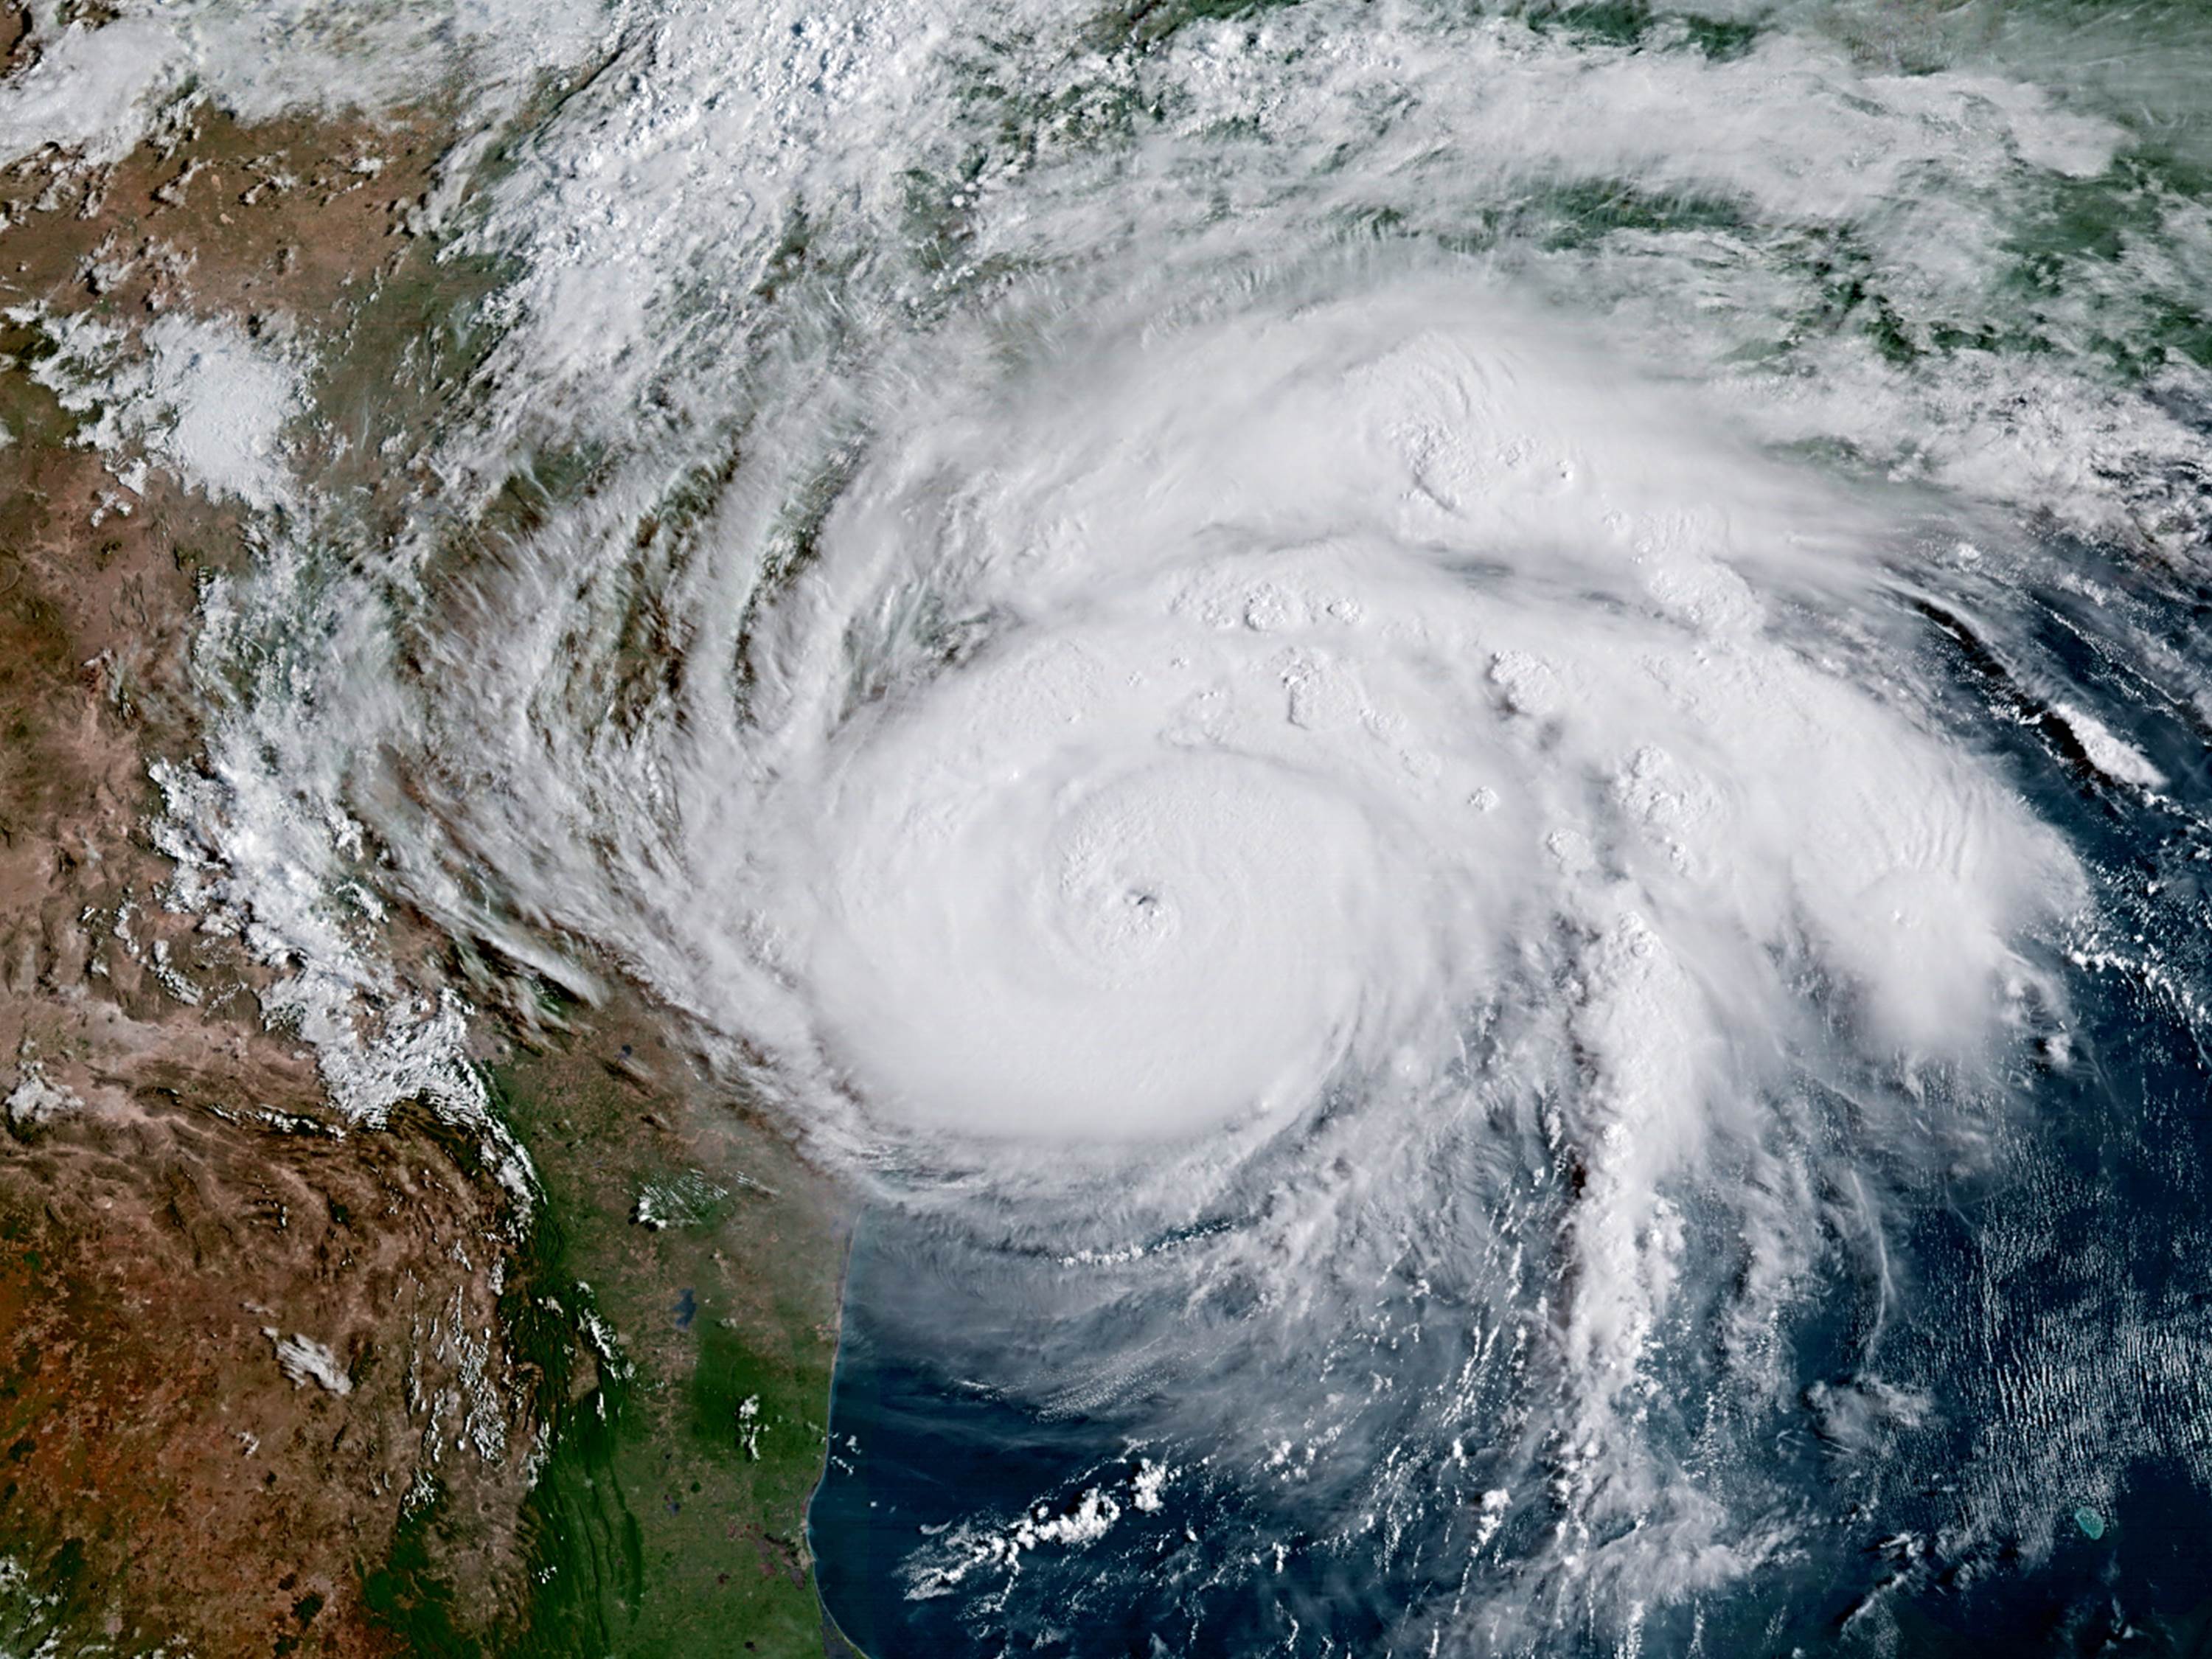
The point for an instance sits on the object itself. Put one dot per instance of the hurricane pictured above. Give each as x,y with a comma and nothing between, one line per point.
1458,750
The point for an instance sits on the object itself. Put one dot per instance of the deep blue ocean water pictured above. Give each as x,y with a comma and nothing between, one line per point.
2044,1305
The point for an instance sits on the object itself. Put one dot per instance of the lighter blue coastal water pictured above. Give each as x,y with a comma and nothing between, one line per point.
1458,749
2041,1493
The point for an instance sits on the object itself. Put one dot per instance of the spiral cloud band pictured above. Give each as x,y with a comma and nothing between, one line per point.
1415,732
1333,658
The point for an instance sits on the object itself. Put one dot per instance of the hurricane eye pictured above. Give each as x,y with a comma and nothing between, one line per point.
1442,765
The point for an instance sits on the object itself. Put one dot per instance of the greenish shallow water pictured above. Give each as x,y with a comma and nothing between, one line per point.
658,1525
840,360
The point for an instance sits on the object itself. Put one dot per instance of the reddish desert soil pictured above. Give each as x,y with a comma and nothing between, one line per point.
200,1203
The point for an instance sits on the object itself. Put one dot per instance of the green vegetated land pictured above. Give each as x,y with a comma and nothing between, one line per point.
678,1300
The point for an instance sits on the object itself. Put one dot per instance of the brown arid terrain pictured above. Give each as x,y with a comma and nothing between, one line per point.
271,1380
234,1335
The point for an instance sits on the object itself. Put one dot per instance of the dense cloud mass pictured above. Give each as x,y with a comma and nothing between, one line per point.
1381,712
1328,658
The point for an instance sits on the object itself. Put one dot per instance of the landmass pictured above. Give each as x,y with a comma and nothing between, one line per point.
273,1378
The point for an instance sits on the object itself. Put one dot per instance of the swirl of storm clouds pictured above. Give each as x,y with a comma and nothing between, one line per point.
1191,703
